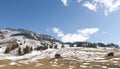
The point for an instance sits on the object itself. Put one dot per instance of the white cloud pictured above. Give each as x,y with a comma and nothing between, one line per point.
109,6
74,37
79,35
88,31
90,6
58,32
64,2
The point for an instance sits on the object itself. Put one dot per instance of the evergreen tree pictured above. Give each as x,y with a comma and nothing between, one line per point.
26,50
31,49
62,46
7,50
19,51
14,46
55,47
51,46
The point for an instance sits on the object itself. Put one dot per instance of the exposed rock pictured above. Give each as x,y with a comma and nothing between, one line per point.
57,56
110,54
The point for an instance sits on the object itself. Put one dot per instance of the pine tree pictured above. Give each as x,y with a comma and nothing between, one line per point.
19,51
31,49
55,47
62,46
7,50
26,50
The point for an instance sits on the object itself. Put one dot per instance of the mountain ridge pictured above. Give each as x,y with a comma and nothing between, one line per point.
15,39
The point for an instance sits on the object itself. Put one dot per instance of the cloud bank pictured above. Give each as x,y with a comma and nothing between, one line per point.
90,6
79,35
108,6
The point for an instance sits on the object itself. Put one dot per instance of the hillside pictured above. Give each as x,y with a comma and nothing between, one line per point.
21,49
21,41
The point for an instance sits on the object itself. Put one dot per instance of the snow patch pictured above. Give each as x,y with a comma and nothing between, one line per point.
13,63
71,67
116,59
86,63
2,50
104,67
38,64
55,65
83,66
113,68
102,61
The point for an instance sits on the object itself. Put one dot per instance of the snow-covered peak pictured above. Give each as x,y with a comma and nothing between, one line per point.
9,31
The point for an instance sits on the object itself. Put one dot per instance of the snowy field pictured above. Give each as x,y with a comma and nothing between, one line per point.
71,58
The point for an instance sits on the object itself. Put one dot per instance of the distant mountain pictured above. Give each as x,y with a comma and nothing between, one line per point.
26,33
21,41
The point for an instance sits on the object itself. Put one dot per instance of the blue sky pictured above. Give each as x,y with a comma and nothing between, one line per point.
66,17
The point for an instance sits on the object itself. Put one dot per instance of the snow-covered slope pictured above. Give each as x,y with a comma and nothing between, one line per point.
7,32
21,41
